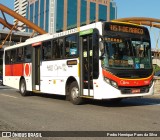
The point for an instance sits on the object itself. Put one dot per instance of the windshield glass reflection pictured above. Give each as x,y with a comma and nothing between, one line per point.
126,53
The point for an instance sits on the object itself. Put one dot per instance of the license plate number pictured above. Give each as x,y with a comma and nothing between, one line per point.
136,90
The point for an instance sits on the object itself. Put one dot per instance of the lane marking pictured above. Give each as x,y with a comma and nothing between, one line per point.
154,104
9,96
150,103
7,89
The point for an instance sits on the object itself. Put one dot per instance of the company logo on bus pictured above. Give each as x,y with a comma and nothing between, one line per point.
124,82
27,69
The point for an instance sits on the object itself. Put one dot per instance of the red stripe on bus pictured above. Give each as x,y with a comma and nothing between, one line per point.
14,70
127,82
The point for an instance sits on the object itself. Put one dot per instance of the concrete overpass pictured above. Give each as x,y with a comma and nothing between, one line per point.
15,37
156,61
11,27
156,56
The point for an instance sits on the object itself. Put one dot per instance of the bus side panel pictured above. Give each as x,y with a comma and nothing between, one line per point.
12,75
14,72
67,68
48,74
54,75
11,81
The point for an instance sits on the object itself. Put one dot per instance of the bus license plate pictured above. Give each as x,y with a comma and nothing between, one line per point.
136,90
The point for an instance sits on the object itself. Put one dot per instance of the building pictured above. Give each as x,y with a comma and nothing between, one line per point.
59,15
20,8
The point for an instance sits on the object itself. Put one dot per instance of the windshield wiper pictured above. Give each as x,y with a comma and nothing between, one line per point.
132,48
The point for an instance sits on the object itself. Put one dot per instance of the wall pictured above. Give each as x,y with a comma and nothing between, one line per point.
157,85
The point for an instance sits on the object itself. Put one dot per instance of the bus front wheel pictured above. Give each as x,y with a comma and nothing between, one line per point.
22,88
74,94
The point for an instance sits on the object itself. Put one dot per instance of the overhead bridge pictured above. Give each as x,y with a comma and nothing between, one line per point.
28,23
15,36
152,22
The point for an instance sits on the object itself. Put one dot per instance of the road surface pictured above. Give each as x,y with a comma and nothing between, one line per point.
53,113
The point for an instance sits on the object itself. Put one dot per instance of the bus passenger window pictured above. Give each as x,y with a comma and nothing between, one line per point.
13,56
60,48
55,45
7,57
67,48
71,46
27,54
57,48
20,55
47,51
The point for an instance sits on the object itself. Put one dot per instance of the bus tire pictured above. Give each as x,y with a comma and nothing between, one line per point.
22,88
74,94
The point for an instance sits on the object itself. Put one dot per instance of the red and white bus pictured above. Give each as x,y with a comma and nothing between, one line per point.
103,60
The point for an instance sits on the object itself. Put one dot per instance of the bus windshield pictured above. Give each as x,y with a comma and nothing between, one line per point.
127,53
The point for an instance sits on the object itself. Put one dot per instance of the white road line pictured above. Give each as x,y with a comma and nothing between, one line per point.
6,89
151,103
154,104
8,96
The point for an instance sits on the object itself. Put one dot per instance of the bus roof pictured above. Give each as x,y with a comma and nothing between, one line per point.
48,36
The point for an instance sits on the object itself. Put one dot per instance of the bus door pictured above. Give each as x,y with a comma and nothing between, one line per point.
36,66
89,61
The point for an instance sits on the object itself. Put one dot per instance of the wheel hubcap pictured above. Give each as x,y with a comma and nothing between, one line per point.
22,87
75,93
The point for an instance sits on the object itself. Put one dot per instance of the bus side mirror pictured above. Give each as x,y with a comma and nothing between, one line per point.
101,46
101,57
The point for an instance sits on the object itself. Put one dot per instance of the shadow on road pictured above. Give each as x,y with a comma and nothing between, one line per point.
5,87
126,102
107,103
51,96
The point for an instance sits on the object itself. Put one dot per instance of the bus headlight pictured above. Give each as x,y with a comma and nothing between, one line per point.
107,80
114,84
111,82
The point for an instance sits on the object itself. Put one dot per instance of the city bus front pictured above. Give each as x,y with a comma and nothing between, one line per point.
126,61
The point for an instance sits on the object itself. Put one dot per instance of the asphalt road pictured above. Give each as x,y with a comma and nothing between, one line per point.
53,113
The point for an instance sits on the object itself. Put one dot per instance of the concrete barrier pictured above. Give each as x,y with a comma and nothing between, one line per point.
157,85
156,61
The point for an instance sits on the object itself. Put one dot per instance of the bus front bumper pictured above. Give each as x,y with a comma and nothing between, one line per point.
109,92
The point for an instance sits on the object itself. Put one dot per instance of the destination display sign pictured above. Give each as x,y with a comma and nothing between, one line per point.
125,28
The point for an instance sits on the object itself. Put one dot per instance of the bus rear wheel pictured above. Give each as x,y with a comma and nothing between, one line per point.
22,88
74,94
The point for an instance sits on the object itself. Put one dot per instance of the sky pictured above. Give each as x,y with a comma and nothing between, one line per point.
125,8
141,8
9,4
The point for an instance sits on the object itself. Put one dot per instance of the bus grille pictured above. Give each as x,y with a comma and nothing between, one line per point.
128,90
